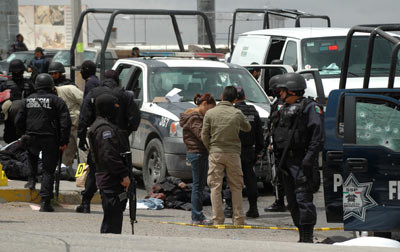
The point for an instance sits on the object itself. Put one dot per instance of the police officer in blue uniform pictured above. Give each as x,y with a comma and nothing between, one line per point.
305,117
107,143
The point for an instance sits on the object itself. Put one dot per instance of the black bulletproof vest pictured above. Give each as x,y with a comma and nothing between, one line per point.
286,118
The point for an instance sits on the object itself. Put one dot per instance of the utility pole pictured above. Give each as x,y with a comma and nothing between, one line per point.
208,7
76,9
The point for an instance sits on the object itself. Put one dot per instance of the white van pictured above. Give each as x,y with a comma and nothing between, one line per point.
322,48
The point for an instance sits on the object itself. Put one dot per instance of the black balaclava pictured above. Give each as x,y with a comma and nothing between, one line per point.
17,75
107,106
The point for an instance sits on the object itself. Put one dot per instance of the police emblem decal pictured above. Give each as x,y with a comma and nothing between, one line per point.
107,134
356,198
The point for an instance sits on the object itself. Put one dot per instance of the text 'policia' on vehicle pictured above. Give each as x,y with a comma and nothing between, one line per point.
157,145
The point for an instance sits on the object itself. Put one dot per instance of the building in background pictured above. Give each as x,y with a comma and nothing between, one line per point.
8,24
47,26
50,26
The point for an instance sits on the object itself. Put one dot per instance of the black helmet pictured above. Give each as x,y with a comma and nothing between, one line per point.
16,66
88,69
56,67
292,82
44,81
274,81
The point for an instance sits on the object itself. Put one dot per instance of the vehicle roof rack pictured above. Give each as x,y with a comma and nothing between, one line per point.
115,12
373,30
286,13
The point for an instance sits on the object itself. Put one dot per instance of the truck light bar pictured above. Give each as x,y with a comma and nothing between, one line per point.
183,54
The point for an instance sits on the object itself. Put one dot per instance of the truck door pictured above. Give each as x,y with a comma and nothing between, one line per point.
332,157
250,49
371,162
290,54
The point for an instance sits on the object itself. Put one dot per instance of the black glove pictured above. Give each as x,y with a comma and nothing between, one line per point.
83,145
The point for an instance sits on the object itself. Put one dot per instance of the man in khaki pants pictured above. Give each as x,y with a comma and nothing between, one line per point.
220,135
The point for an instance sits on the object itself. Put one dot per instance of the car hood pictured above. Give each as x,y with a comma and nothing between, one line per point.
176,108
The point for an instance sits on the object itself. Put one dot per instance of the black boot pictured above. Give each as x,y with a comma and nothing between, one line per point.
300,234
46,206
276,207
31,183
307,234
253,210
84,207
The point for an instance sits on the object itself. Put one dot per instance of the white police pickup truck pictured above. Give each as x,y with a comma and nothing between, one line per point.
306,48
157,146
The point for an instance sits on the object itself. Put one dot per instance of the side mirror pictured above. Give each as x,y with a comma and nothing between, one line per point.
277,62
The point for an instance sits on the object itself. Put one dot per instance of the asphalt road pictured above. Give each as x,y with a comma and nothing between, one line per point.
19,220
24,229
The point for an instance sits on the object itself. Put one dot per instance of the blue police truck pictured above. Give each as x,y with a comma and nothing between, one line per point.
361,157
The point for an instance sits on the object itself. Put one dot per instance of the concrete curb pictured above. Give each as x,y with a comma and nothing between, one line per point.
26,195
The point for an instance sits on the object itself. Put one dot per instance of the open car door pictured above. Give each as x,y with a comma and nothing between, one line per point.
371,161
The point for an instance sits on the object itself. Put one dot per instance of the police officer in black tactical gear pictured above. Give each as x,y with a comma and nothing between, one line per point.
57,70
88,72
127,119
18,88
252,146
107,143
279,204
300,131
46,123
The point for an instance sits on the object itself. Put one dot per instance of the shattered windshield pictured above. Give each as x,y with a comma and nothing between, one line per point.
327,54
202,80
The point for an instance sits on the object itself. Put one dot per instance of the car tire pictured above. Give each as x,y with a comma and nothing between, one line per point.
154,168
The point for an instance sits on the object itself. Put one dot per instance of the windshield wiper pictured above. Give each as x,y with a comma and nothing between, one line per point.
251,101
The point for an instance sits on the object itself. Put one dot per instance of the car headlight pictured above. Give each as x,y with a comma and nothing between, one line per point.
175,130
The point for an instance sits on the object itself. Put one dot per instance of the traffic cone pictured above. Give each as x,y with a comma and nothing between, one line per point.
3,177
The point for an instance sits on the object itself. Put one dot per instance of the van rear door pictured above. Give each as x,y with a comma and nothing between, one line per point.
250,48
371,161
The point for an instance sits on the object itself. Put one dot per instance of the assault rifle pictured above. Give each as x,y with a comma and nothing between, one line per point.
272,163
131,194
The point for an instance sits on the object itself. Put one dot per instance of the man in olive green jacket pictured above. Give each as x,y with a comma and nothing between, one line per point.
220,135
